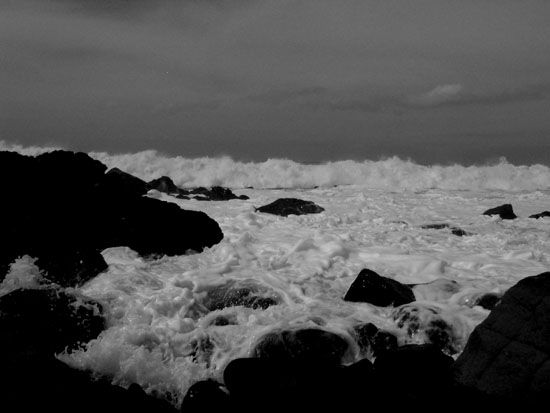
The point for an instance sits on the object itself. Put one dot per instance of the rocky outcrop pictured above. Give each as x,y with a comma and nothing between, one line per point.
508,355
63,209
290,206
504,211
369,287
216,193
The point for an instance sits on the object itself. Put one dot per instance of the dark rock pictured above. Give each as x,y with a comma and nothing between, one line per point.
242,293
540,215
504,211
369,287
416,373
118,181
70,268
163,184
221,321
454,230
508,354
205,396
288,386
425,323
488,301
82,211
50,385
373,341
289,206
306,345
216,193
46,321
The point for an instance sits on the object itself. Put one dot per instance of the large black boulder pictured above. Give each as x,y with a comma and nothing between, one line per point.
63,209
504,211
508,354
303,345
369,287
542,214
291,206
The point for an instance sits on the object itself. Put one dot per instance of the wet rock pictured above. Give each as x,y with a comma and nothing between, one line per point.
305,345
540,215
417,373
372,341
244,293
369,287
488,301
163,184
205,396
504,211
216,193
36,323
290,206
508,354
82,211
425,324
454,230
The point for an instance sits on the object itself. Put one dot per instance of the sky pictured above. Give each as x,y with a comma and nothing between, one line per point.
436,81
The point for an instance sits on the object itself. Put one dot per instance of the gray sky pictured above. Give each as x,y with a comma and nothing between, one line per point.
438,81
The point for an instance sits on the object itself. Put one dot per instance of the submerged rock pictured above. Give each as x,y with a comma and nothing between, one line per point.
240,293
372,341
504,211
369,287
291,206
305,345
508,354
425,324
454,230
540,215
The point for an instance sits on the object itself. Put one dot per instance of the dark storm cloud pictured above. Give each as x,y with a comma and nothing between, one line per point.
135,73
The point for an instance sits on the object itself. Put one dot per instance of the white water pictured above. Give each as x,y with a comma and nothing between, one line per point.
156,320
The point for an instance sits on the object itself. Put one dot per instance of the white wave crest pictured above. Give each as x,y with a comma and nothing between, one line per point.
390,174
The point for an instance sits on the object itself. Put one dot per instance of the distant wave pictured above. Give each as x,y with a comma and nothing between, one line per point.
391,174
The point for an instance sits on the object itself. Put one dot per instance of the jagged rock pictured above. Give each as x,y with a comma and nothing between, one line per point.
504,211
373,341
425,324
205,396
164,184
290,206
369,287
242,293
508,354
540,215
305,345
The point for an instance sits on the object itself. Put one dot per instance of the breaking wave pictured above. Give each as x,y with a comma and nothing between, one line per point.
390,174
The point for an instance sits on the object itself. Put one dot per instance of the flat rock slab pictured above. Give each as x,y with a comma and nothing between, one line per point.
291,206
508,354
369,287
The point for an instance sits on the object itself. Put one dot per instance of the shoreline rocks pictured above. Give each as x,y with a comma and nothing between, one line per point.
290,206
369,287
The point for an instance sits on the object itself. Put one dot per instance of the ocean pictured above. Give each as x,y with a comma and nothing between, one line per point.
163,336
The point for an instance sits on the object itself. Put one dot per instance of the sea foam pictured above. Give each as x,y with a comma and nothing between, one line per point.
393,174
